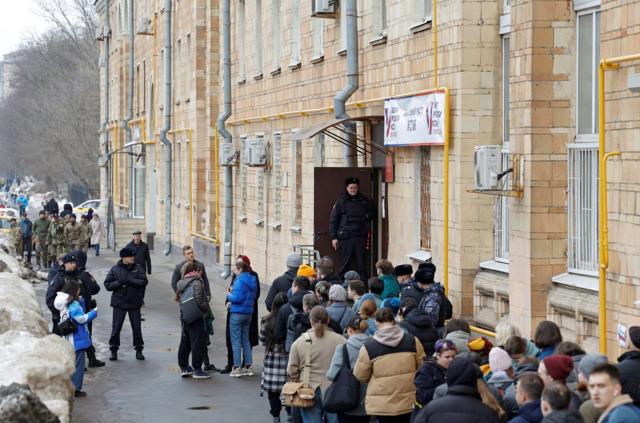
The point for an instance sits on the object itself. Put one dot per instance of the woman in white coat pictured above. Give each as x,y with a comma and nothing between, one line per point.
98,232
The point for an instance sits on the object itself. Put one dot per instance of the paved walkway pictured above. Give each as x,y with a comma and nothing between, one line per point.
152,390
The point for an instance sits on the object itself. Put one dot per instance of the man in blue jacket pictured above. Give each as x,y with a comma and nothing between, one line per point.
26,226
126,281
240,302
528,392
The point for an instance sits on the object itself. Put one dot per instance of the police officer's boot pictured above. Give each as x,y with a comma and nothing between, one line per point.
139,355
93,361
113,356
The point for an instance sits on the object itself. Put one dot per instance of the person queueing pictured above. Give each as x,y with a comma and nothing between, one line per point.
433,372
71,306
240,303
126,282
274,373
189,257
194,336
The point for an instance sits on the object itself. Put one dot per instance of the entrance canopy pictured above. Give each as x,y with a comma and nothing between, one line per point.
337,129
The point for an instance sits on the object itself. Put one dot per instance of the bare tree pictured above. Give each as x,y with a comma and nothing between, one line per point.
49,121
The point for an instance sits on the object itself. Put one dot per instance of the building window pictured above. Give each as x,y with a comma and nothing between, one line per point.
422,10
501,223
343,27
258,39
379,19
139,171
588,54
277,178
296,158
177,62
240,26
295,34
317,25
188,68
425,199
260,203
276,36
582,182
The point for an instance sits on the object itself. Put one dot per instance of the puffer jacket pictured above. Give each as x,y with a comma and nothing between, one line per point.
353,345
199,291
56,284
418,324
127,284
80,338
629,366
243,293
462,404
388,363
429,377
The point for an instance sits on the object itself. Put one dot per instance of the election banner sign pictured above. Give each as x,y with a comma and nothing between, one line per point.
415,120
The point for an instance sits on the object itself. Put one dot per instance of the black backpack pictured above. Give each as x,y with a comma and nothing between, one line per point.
344,393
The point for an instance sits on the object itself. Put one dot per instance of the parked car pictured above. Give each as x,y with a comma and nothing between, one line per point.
84,207
5,224
9,212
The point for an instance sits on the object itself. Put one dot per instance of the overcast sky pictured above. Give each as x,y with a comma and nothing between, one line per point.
19,20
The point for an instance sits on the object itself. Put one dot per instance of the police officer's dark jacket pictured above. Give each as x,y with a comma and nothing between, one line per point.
350,216
126,282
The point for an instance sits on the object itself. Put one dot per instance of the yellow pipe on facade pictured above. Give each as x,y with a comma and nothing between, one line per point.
482,331
605,64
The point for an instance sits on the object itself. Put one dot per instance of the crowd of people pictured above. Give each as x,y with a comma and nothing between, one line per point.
345,350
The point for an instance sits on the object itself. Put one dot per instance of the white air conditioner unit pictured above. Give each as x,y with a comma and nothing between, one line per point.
227,155
256,152
145,26
487,161
324,8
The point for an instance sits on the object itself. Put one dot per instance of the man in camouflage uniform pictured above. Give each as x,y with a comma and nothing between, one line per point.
41,232
73,234
55,238
16,235
87,232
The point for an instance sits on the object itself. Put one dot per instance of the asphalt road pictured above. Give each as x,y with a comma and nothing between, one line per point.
152,391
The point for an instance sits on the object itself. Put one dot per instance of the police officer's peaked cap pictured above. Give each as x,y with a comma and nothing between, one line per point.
127,252
138,232
69,258
351,180
403,269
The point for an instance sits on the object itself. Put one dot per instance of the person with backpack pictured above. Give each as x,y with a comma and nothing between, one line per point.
284,282
299,322
74,327
240,303
356,338
337,309
388,363
299,288
194,306
274,369
433,301
322,343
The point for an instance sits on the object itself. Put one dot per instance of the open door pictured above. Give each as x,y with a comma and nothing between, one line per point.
328,186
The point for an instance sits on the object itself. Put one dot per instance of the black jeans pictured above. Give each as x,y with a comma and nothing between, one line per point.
353,255
274,403
193,340
27,244
227,334
91,351
119,315
345,418
402,418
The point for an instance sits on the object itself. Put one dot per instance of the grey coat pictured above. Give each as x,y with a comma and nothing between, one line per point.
342,314
353,349
199,292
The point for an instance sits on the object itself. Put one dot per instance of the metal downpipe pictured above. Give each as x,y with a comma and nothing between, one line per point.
129,117
166,126
340,100
108,169
226,135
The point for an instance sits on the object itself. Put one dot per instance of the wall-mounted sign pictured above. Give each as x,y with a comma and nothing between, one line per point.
416,120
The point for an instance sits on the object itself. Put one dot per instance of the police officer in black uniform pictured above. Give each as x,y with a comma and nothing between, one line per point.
349,227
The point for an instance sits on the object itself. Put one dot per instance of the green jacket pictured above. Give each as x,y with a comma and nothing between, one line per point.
41,228
16,233
56,233
73,234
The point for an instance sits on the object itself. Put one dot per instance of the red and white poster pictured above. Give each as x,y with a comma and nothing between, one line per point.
416,120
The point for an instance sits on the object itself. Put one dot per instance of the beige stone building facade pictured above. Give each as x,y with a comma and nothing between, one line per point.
522,74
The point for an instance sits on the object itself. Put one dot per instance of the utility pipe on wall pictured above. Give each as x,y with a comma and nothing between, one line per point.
129,117
226,135
166,126
108,170
340,100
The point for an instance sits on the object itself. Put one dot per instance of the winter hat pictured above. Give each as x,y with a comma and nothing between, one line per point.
403,269
588,363
499,360
127,252
337,293
294,260
69,258
392,303
429,266
424,276
634,336
463,371
306,270
351,275
480,345
559,366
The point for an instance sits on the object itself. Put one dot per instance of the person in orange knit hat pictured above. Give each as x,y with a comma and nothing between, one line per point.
309,272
